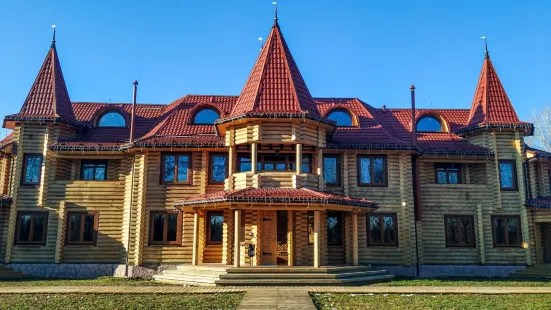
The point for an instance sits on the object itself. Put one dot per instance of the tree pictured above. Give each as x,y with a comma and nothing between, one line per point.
542,129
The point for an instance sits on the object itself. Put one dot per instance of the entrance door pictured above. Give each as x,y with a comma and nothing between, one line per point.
268,238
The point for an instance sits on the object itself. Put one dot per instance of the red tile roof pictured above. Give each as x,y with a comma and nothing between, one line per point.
538,153
276,195
275,84
9,139
48,97
491,105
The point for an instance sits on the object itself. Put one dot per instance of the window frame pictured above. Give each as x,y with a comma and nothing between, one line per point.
473,231
210,214
345,111
94,162
98,120
240,156
309,221
83,215
443,166
18,241
513,164
381,216
342,228
371,157
506,228
189,181
26,157
338,181
210,168
437,118
166,213
193,122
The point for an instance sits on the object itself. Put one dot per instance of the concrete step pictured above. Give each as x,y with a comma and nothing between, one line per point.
185,280
341,275
297,269
194,272
203,268
312,282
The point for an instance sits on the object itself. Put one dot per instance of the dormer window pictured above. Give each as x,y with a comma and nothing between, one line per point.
111,119
341,116
429,124
206,117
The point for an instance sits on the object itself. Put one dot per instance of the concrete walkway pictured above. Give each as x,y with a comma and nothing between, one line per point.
276,298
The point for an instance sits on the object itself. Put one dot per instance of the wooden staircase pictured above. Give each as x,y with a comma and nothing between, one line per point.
536,272
269,276
9,274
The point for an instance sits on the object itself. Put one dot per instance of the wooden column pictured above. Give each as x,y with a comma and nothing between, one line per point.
319,168
236,243
291,238
299,158
253,158
317,239
355,239
194,258
231,160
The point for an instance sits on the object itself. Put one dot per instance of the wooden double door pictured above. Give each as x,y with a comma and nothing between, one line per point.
274,230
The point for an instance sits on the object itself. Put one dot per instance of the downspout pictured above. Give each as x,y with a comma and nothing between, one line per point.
134,93
415,176
527,183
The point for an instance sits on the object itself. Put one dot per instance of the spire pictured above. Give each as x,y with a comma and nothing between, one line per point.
275,12
491,105
275,84
486,55
48,97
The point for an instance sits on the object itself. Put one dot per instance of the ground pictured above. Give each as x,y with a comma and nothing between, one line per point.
462,282
102,281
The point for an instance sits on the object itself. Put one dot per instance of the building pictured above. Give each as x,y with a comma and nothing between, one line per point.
95,188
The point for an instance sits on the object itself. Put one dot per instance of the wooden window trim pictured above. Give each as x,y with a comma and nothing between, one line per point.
514,168
463,244
178,241
338,168
209,215
382,228
341,221
371,157
82,214
447,166
25,163
93,162
211,163
189,170
17,241
506,229
309,215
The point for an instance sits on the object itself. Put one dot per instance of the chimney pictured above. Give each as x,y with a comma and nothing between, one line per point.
413,124
133,116
384,108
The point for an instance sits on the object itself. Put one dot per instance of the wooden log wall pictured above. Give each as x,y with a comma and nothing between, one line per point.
4,219
5,170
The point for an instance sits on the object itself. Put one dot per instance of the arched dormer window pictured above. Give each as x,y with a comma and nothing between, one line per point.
206,116
429,123
341,116
111,119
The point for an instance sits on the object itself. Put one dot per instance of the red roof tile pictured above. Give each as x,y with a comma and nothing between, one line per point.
276,195
9,139
275,84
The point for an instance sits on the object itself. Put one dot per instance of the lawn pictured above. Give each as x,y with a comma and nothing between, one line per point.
462,282
433,301
102,281
119,301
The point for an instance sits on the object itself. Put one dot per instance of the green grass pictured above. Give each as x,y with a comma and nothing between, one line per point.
119,301
462,282
433,301
102,281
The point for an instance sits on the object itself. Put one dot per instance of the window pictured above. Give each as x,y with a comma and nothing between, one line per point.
31,228
310,228
334,229
382,229
32,169
176,168
244,164
165,228
82,227
371,170
342,117
218,168
332,169
506,230
215,223
283,162
459,230
305,166
507,175
111,119
448,173
206,117
93,170
429,124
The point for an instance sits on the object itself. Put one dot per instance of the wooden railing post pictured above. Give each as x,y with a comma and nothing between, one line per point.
253,158
194,258
236,246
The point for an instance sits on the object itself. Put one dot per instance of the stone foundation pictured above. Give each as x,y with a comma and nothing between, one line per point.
89,271
440,271
404,271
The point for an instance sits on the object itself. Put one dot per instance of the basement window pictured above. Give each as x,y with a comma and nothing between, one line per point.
459,230
32,169
382,229
93,170
165,228
82,228
506,229
31,228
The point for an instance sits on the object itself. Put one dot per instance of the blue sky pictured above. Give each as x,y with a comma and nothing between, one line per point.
373,50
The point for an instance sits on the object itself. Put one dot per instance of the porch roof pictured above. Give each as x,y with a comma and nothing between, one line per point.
540,202
276,195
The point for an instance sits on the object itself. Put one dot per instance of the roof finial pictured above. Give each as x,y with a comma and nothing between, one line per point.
275,12
487,56
261,43
53,38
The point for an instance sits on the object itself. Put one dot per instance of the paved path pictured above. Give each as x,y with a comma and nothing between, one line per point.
276,299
